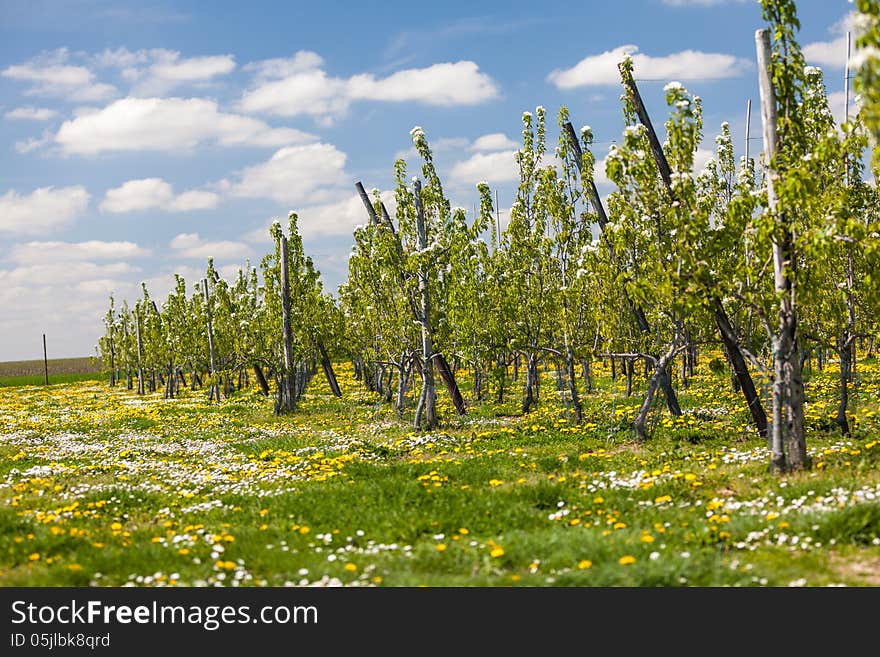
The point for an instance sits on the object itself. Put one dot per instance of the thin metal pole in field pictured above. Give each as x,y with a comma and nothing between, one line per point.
45,361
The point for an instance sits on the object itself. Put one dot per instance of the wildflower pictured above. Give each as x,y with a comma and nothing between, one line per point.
584,564
626,560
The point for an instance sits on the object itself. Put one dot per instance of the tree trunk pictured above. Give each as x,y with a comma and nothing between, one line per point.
572,386
112,362
788,449
287,387
530,396
630,370
428,398
654,383
845,353
401,385
140,350
214,388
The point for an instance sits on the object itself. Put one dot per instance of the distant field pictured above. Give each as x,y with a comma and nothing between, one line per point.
61,370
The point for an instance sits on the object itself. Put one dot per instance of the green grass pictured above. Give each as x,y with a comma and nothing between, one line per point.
39,379
61,370
102,487
56,366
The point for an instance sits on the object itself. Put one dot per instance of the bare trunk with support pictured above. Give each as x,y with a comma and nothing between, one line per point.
427,402
287,387
788,449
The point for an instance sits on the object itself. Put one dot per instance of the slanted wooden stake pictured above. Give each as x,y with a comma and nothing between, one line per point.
327,365
45,362
662,164
371,211
448,377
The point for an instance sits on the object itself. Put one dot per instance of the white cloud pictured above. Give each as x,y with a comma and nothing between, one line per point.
190,245
495,167
701,157
837,105
299,86
601,69
193,69
831,54
31,113
65,273
295,175
169,71
458,83
155,71
34,143
166,124
195,200
438,145
137,195
147,193
33,253
42,210
333,219
496,141
51,74
309,92
304,60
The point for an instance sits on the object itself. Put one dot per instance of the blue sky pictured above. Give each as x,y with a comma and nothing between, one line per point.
139,138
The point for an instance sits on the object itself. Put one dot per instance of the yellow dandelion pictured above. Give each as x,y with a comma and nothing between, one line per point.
350,567
626,560
496,552
584,564
440,547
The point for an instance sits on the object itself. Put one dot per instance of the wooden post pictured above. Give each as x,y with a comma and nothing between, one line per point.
327,365
748,127
451,386
602,219
787,428
497,220
287,393
593,191
721,318
656,148
261,379
374,220
45,362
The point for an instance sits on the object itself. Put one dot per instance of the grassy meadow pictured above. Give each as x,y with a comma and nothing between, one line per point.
61,370
100,487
